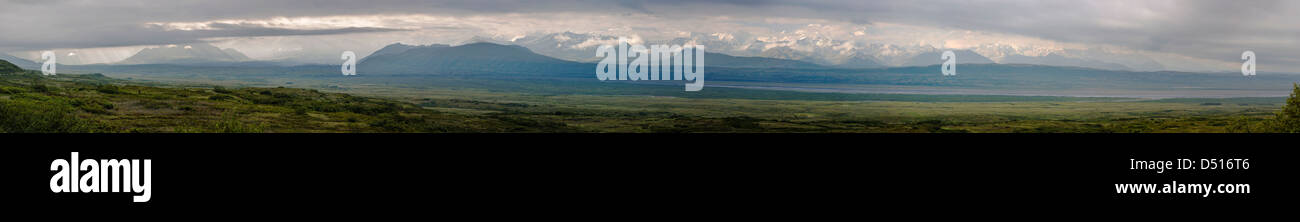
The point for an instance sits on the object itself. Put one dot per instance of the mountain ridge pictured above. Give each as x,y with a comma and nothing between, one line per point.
196,53
462,59
6,67
933,58
20,62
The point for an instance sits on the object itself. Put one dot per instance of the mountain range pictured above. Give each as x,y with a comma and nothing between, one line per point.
933,58
730,49
475,58
1054,59
977,72
479,57
415,63
398,48
6,67
724,60
829,52
23,63
196,53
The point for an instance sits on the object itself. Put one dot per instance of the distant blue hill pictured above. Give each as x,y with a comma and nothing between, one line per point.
475,58
724,60
963,57
195,53
22,63
860,62
1014,76
1053,59
401,59
398,48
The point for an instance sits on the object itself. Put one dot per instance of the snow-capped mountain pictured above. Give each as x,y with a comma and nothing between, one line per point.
897,55
565,45
826,51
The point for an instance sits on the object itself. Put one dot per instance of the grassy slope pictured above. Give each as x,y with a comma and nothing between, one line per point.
30,102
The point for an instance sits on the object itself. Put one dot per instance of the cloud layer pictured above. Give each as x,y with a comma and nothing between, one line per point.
1173,30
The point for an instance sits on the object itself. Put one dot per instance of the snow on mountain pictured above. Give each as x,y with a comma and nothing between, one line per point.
817,48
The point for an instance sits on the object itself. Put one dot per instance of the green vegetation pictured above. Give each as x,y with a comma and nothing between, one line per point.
1288,119
6,67
30,102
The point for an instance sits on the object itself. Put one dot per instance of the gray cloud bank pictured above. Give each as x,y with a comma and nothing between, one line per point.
1210,29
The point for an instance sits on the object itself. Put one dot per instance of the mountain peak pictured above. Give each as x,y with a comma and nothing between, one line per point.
481,39
20,62
398,48
1058,59
193,53
489,45
473,58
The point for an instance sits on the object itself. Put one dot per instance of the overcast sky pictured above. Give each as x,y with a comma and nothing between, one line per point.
1202,32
